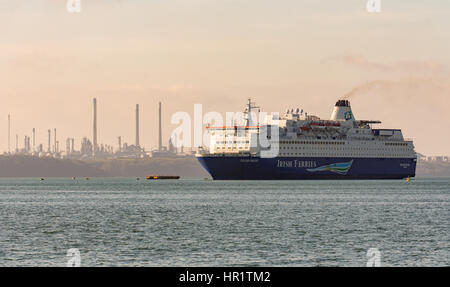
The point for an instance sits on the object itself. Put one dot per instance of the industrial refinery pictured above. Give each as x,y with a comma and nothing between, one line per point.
90,148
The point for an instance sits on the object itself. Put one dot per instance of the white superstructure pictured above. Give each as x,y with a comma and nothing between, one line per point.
306,135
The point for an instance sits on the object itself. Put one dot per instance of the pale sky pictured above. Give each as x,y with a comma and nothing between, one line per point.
283,54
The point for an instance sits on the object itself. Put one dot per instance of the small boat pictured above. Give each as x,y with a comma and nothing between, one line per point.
162,177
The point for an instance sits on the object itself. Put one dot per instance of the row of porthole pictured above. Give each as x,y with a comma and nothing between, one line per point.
246,147
350,148
316,154
312,142
231,142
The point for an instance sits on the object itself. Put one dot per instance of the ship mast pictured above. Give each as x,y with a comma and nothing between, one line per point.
248,112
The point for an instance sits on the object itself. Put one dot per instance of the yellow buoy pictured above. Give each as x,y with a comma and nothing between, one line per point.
408,179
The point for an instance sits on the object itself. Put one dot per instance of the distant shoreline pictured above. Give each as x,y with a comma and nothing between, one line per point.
29,166
185,166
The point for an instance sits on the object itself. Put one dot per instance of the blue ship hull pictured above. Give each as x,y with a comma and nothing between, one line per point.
289,168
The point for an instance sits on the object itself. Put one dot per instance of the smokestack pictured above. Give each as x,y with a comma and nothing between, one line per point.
95,128
55,147
49,139
9,134
160,135
27,146
73,144
17,143
137,125
34,139
342,111
68,140
120,143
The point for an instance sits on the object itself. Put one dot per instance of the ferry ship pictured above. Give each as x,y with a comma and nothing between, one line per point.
301,146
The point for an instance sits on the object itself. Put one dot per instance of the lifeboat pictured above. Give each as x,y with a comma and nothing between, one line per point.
317,125
305,128
325,124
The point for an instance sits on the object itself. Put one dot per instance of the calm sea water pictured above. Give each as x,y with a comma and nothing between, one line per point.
129,222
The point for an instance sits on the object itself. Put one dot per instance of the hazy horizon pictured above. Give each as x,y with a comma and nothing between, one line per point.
393,66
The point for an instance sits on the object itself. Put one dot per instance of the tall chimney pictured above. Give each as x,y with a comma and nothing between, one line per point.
55,147
342,112
119,138
95,128
9,134
49,138
137,125
34,139
160,135
68,140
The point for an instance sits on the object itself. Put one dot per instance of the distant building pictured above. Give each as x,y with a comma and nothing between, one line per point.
163,152
130,151
421,156
437,158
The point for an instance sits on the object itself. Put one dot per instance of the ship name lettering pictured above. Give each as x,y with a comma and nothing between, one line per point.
302,163
296,163
284,163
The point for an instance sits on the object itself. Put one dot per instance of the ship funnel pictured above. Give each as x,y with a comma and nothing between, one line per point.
342,111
